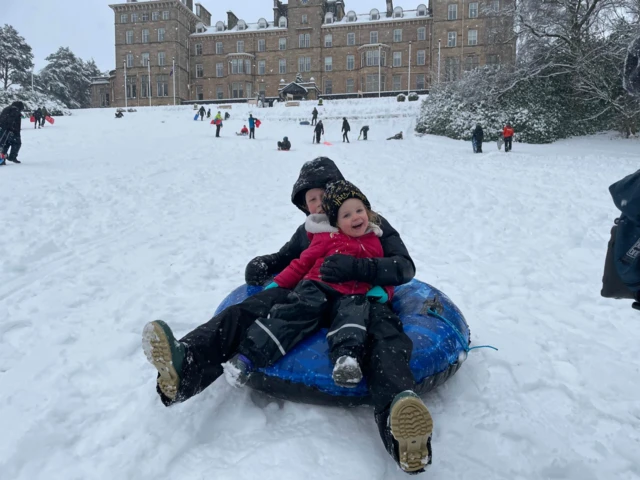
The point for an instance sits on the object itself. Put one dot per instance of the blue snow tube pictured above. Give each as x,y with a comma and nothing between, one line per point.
438,329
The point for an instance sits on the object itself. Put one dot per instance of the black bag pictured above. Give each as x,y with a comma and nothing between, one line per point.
612,284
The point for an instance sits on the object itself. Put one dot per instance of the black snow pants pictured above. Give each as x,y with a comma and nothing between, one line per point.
310,306
314,120
507,144
345,136
318,137
252,133
218,130
11,141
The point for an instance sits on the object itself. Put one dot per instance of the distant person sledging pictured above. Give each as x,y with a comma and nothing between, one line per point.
285,144
244,131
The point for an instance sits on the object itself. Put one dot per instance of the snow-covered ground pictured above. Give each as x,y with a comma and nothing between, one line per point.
111,223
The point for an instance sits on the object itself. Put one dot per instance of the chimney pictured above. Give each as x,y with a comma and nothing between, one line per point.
232,20
389,8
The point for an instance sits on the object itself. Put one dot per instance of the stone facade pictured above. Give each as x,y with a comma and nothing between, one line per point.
330,46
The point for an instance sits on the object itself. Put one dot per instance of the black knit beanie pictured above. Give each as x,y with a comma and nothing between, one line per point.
336,194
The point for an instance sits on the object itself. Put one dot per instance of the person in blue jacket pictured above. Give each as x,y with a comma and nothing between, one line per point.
252,127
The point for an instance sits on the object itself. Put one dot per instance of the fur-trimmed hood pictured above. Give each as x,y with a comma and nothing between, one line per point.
319,223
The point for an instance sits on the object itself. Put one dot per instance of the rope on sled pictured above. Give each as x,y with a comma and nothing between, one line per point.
463,340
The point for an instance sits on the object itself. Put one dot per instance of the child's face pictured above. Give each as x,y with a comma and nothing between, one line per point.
352,218
313,199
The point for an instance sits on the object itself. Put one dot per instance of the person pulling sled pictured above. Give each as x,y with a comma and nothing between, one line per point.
10,126
363,132
319,130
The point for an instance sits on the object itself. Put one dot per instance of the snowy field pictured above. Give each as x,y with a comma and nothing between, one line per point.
112,223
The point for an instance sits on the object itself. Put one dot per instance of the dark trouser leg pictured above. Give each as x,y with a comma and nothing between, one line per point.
318,137
15,144
36,123
389,351
289,322
252,133
217,130
479,147
216,341
348,332
279,145
507,144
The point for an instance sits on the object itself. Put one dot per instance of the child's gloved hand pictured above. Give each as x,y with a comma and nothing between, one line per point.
271,285
379,294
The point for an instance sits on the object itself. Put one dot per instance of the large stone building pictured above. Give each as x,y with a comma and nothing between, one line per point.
166,48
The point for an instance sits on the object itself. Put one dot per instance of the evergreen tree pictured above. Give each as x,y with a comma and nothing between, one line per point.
16,59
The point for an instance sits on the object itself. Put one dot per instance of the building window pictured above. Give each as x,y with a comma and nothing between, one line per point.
451,39
495,5
422,33
452,12
451,69
473,10
396,82
199,92
471,62
492,59
262,67
374,14
397,35
328,87
161,34
129,60
144,59
162,85
351,16
247,67
304,64
328,64
282,22
219,92
262,88
219,69
351,38
145,35
165,15
397,59
132,82
351,62
145,87
241,25
372,83
129,37
155,16
123,18
328,18
422,11
397,12
350,85
373,37
237,66
161,58
262,45
134,17
282,65
198,49
199,70
282,44
493,35
219,49
420,82
262,23
237,90
328,41
473,37
247,88
240,46
304,40
372,58
145,17
421,57
219,27
305,20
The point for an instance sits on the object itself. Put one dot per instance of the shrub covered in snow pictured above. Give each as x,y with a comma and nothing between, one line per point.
413,97
32,100
401,98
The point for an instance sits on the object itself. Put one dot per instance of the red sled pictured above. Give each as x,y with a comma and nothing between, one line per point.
32,119
216,122
50,119
258,122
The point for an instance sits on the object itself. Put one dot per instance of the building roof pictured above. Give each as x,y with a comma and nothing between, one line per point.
250,28
364,18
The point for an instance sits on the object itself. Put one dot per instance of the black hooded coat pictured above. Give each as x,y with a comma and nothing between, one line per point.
11,118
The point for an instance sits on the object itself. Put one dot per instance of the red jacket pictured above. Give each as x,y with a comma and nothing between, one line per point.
244,130
326,241
507,132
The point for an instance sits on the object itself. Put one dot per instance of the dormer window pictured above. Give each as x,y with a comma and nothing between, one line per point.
351,16
282,22
241,25
200,28
397,12
422,10
219,27
262,23
328,18
374,14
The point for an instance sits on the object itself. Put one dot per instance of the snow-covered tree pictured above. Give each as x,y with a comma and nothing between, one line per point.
16,58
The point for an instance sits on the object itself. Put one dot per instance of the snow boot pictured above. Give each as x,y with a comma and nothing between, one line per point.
346,372
2,159
411,426
166,354
237,370
14,160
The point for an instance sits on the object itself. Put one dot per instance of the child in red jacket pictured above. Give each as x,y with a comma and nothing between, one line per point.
347,227
507,133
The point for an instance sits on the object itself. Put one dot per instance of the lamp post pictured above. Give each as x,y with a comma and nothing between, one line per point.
125,84
379,65
173,73
409,79
438,60
149,83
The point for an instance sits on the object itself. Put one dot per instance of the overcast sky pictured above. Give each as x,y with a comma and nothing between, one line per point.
86,26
